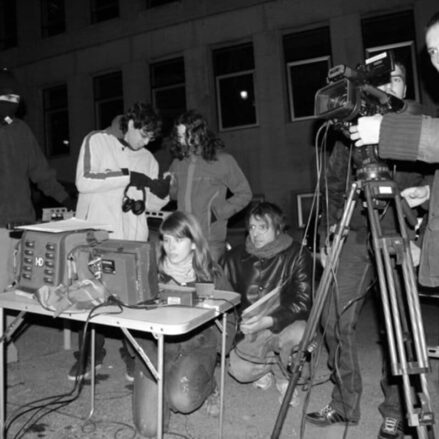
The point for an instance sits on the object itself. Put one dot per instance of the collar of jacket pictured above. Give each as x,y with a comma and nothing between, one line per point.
281,243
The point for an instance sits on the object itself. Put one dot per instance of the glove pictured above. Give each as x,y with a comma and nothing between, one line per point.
139,180
70,203
159,187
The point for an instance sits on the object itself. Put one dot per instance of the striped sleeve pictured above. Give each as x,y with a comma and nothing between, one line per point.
92,174
400,136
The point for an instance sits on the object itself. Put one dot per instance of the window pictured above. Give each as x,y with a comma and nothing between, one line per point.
56,120
234,77
53,17
108,98
168,90
394,32
305,206
155,3
308,58
8,24
102,10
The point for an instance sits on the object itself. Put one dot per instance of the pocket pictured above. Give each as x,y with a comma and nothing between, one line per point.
209,209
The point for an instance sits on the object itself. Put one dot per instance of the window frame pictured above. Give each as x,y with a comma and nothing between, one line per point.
223,69
291,64
47,112
9,34
218,78
155,90
414,80
94,12
304,208
97,102
46,24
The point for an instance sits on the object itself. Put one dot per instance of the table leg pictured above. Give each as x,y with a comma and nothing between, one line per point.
160,378
223,368
92,372
157,373
2,377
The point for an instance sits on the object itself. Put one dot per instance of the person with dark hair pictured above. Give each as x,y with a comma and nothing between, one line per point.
22,161
269,262
113,166
190,359
412,137
202,174
118,179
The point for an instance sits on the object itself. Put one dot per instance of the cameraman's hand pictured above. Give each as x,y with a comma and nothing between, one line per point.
415,196
367,130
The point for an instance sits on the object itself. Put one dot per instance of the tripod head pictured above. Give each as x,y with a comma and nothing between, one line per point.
373,171
369,166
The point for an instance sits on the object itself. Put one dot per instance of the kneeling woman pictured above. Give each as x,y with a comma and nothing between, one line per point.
190,359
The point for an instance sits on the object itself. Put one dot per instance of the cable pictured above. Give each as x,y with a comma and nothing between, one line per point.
58,399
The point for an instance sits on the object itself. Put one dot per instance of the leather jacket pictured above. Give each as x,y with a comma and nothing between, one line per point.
253,277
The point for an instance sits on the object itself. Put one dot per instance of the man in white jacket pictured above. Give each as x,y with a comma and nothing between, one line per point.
118,179
114,166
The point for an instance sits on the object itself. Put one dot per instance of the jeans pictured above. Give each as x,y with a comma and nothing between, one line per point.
189,379
339,319
260,353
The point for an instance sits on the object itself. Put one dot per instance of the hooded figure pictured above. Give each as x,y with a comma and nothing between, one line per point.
21,161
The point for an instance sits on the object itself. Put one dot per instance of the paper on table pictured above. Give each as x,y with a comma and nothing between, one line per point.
67,225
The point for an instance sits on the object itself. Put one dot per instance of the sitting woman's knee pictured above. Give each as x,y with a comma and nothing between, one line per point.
189,385
181,401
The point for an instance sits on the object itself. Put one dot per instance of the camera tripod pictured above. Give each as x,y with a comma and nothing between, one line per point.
399,297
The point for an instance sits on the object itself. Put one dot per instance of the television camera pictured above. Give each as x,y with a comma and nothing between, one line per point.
353,92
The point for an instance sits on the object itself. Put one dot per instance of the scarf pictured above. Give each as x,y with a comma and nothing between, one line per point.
281,243
183,272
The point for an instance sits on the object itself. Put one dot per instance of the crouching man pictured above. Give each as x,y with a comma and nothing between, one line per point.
270,264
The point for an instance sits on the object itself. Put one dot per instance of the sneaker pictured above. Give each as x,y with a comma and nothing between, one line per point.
82,373
282,385
212,404
391,428
328,416
265,382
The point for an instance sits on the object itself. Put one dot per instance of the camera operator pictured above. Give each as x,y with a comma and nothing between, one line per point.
410,137
355,276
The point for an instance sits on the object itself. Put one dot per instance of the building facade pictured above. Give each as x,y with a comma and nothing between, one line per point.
251,66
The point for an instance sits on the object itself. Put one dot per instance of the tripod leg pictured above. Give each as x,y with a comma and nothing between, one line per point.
411,364
317,308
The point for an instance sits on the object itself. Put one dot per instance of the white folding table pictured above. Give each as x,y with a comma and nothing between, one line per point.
161,322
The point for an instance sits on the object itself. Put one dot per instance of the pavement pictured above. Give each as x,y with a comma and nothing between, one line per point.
42,403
